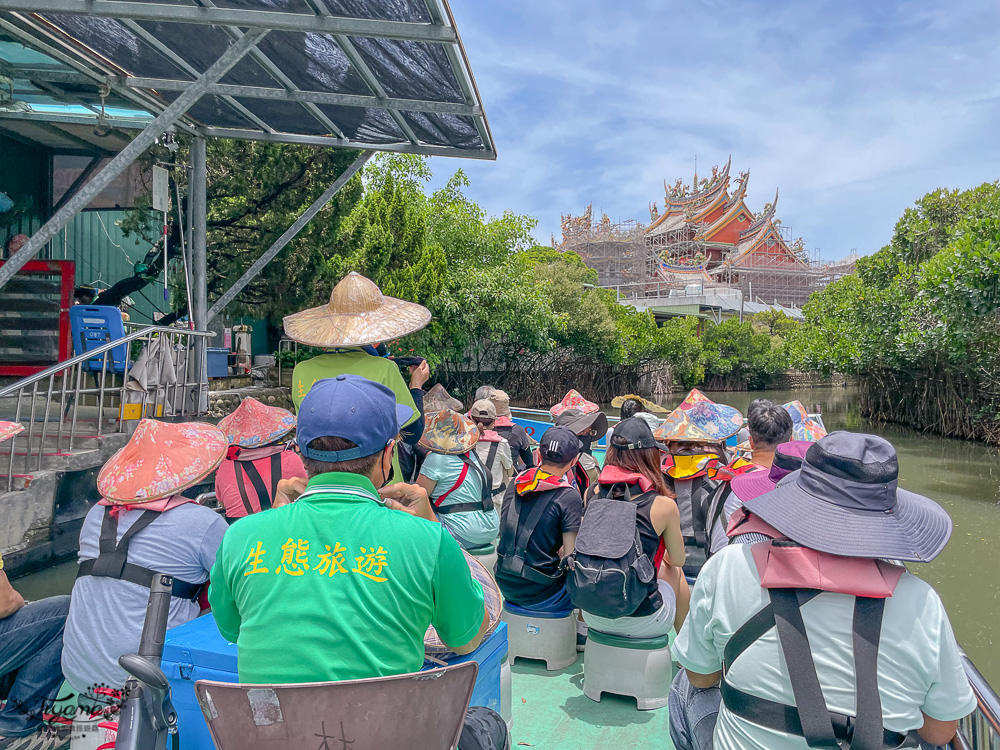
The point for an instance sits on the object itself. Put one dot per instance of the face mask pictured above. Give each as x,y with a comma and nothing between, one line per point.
587,440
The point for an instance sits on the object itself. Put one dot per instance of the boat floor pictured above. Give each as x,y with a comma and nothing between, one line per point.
550,711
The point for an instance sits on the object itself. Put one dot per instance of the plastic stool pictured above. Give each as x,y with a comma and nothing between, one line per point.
506,693
487,555
639,667
547,636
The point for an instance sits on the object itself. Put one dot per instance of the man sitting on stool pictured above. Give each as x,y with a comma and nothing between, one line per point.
538,524
343,583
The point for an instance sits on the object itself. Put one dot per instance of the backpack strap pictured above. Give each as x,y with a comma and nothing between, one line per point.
809,717
511,560
112,559
716,506
485,502
490,458
263,497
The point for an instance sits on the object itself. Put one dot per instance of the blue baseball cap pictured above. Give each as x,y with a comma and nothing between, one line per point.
353,408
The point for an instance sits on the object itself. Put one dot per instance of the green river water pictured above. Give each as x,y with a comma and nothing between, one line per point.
963,477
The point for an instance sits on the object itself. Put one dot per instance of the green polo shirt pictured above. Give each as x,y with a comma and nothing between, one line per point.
336,586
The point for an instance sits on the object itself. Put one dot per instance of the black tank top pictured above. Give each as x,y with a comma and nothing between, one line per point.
650,541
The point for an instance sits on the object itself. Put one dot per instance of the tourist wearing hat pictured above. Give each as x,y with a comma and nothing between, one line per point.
589,426
513,433
456,480
693,711
697,465
769,426
880,656
343,583
357,317
144,517
31,636
632,473
247,479
540,517
492,449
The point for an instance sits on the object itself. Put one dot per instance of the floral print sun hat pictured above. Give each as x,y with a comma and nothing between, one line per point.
449,432
573,400
254,424
160,460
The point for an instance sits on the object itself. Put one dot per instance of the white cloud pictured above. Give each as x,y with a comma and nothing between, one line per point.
853,109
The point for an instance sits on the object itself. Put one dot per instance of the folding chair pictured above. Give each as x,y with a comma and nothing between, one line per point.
418,711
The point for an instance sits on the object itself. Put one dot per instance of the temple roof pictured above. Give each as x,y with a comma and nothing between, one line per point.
734,205
680,196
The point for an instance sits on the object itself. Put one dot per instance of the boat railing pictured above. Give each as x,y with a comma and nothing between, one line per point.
61,409
980,730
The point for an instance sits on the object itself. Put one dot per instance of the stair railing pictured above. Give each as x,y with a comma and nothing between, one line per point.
63,389
980,730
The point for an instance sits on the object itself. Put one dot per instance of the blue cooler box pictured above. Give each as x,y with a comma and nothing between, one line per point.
196,651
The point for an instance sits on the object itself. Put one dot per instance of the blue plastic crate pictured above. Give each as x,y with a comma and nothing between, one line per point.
197,651
218,362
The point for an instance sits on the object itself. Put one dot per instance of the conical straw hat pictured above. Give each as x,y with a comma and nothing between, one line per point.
573,400
617,402
9,430
438,399
254,424
358,314
160,460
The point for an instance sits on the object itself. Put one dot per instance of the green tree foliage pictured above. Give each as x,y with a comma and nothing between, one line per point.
921,316
736,355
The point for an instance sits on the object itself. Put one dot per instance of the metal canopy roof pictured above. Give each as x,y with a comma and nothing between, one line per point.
387,75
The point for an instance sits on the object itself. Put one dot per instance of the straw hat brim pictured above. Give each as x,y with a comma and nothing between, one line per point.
617,402
319,326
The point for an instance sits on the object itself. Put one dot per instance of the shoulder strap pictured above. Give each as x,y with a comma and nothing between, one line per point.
490,458
112,560
461,478
238,470
814,716
810,718
512,560
716,505
263,498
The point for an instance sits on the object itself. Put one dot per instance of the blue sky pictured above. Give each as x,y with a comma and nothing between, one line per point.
854,109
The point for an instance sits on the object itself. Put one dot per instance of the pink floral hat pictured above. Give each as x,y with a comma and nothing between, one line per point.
573,400
254,424
9,430
160,460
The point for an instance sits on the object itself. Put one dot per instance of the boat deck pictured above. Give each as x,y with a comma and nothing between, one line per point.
551,711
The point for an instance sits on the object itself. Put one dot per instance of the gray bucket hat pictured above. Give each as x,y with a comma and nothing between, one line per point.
845,501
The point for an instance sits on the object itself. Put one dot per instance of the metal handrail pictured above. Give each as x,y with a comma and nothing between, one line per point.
93,354
65,398
980,730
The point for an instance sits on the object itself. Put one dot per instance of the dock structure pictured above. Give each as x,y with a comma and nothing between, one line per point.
705,235
100,83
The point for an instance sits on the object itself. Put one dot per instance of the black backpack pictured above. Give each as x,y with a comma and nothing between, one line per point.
609,574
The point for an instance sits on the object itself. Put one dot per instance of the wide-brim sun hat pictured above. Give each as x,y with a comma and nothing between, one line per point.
160,460
438,399
579,421
255,424
449,432
9,430
845,500
648,405
574,400
358,314
787,458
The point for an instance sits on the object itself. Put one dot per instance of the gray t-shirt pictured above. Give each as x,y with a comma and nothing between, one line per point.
106,615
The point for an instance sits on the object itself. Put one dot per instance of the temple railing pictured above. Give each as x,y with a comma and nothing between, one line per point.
80,399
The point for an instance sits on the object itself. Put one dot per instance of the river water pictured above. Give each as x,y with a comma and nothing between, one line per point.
963,477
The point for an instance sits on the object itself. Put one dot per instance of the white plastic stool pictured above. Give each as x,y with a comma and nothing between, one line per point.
506,693
487,555
639,667
548,637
